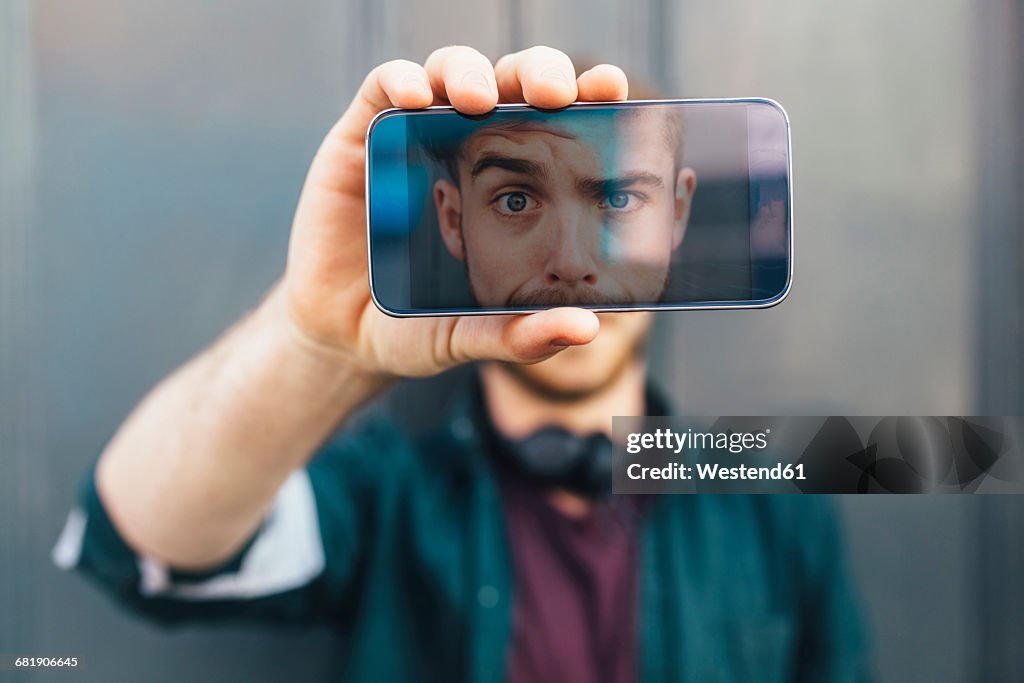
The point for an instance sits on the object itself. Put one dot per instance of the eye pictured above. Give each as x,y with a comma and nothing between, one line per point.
512,203
618,201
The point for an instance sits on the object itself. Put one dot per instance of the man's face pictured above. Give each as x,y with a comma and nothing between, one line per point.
587,211
582,371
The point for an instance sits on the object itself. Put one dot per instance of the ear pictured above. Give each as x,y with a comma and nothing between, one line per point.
448,202
686,184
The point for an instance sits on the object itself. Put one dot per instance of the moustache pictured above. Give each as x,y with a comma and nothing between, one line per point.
564,296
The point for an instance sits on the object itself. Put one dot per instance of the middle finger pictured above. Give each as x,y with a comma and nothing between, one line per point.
540,76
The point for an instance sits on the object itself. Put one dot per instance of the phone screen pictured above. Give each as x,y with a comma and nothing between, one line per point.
638,205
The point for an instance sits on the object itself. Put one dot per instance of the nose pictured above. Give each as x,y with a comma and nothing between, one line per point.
570,260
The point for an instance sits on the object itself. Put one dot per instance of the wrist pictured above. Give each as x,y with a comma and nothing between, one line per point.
323,368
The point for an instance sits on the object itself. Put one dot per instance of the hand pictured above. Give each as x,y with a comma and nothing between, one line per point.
325,298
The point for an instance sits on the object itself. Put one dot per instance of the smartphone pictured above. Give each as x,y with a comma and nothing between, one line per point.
624,206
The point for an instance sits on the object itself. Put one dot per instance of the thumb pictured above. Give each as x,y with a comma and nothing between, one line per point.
522,338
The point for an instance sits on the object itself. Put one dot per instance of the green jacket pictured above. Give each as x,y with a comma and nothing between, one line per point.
414,571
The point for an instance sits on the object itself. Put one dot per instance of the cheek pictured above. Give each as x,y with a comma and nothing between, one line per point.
644,239
641,282
497,258
643,261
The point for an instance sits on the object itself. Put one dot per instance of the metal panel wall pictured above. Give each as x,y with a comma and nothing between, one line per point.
22,469
999,357
171,141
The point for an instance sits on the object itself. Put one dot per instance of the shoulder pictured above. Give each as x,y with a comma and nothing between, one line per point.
805,532
781,515
794,536
805,526
376,449
805,512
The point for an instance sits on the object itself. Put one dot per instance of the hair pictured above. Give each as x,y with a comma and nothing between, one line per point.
448,152
446,146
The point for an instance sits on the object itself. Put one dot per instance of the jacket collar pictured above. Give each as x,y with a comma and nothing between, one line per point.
468,423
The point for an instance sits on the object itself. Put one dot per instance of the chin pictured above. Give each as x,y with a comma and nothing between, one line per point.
582,371
575,372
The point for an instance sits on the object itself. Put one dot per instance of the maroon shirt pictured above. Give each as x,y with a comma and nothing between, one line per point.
575,587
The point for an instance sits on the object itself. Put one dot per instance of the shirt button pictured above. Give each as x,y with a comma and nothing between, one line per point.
487,596
462,428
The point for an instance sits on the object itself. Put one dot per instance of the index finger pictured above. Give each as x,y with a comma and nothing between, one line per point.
398,83
334,185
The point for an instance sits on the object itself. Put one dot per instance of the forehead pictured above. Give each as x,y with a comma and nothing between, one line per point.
611,136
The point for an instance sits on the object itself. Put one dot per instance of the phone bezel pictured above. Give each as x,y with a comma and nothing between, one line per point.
688,306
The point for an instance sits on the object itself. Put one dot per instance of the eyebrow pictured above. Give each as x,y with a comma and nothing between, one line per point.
594,186
522,166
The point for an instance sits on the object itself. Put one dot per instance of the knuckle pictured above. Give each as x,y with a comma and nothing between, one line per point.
465,51
505,63
509,341
608,70
435,57
442,56
544,53
393,67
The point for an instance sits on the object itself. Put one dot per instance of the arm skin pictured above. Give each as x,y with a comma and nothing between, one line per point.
191,473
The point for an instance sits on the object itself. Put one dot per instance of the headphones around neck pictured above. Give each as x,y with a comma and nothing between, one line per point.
555,456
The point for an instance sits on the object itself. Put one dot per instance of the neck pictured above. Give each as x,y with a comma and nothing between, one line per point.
517,409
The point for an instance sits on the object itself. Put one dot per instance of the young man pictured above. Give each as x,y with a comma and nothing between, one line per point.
462,555
585,209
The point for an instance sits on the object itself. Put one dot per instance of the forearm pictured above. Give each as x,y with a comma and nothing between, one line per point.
191,473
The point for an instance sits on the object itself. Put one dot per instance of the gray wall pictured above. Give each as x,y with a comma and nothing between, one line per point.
21,473
152,154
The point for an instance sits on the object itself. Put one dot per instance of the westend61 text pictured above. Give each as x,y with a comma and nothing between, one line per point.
714,471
